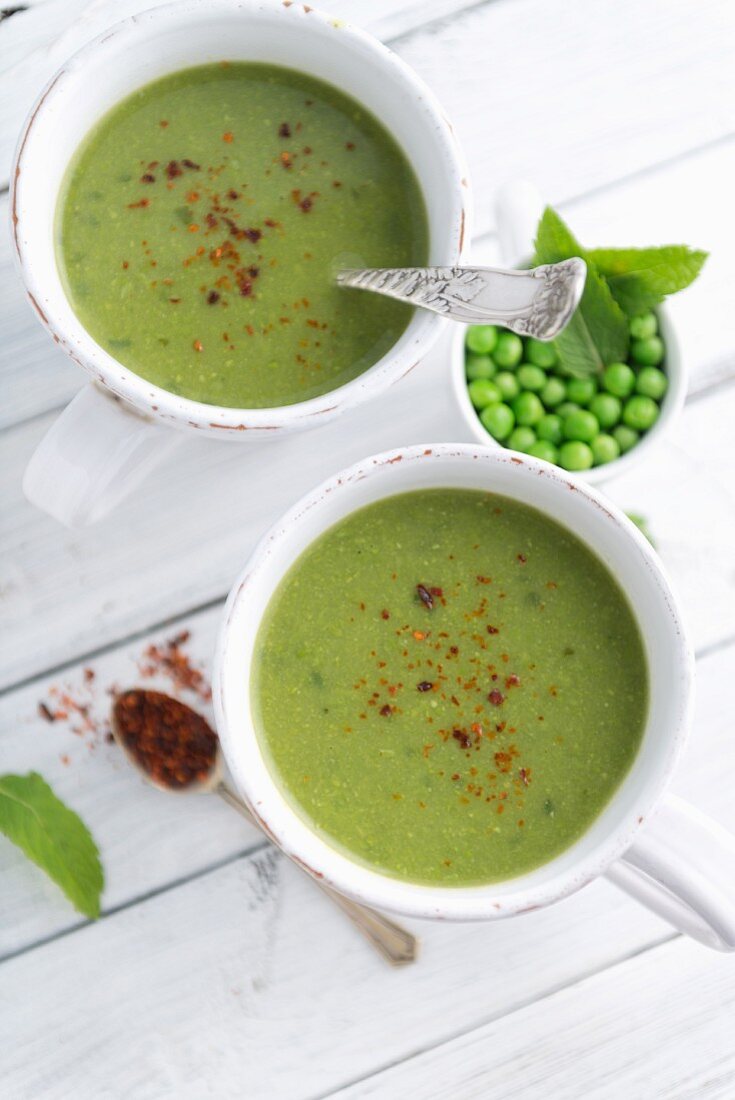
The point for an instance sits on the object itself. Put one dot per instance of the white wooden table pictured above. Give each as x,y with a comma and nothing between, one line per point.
217,969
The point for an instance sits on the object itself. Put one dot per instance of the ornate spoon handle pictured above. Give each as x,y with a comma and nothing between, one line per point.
538,302
397,945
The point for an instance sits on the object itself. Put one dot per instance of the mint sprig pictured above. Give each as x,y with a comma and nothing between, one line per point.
598,332
640,278
621,283
54,837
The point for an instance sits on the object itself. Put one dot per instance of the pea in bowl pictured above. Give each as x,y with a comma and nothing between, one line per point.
512,397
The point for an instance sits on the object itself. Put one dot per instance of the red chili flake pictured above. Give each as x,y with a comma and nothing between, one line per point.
198,346
492,630
244,285
89,675
463,738
173,169
454,649
210,220
349,145
190,164
212,297
286,159
284,130
525,776
147,177
125,265
139,205
496,697
171,742
336,183
306,204
512,681
438,592
46,713
522,559
425,596
228,137
385,614
232,194
503,761
386,710
163,123
270,222
306,150
174,301
425,685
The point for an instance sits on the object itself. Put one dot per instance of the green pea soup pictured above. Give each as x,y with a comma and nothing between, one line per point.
200,224
449,687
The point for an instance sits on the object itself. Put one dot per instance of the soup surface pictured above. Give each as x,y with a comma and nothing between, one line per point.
201,221
449,686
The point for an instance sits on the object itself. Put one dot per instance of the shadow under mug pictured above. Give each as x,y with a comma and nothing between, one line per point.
662,851
105,442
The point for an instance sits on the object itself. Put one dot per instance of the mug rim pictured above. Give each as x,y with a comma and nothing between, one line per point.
280,819
414,342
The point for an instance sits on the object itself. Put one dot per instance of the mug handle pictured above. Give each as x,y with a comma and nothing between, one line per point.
518,207
94,454
682,867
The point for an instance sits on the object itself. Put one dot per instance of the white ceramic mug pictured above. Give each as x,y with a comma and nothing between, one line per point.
655,846
518,208
104,443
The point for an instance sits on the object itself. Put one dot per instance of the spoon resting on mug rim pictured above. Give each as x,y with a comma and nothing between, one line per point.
397,946
539,302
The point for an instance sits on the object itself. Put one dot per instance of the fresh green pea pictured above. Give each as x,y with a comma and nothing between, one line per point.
651,382
604,449
575,455
481,338
521,438
531,378
566,409
508,350
606,408
498,420
483,392
618,379
643,326
625,437
549,428
540,354
640,413
542,448
528,409
508,385
553,393
479,366
581,390
649,353
582,426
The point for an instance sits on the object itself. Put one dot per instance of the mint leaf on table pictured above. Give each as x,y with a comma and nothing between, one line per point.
640,278
597,334
54,837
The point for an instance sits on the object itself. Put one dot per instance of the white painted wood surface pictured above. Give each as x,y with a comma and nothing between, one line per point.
218,969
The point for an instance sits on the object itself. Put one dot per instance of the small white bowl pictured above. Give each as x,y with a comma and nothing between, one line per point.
670,406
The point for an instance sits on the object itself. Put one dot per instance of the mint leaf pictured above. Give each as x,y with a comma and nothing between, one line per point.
598,332
53,837
641,278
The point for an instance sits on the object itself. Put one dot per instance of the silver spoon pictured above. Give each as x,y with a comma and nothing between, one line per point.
398,946
538,302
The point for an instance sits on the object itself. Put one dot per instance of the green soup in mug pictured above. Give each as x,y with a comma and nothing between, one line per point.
449,687
201,222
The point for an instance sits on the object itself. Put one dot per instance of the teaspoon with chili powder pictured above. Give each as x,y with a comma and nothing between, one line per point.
174,748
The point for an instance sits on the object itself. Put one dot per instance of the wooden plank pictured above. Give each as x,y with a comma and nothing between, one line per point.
246,982
178,544
658,1025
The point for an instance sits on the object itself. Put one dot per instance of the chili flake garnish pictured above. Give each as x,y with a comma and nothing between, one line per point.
425,596
228,137
496,697
284,130
386,710
425,685
463,738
